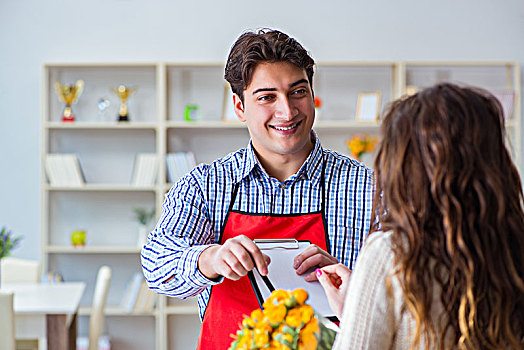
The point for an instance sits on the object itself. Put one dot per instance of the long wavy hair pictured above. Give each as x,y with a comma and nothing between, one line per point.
450,193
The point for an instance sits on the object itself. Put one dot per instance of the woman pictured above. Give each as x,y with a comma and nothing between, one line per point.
444,268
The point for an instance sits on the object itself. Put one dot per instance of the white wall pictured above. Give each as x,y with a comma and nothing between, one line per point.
34,31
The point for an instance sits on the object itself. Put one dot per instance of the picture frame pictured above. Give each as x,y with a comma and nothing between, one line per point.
228,111
368,107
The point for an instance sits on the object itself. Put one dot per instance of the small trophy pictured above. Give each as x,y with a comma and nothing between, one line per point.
68,94
123,93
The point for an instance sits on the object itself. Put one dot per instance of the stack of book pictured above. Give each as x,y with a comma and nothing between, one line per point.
145,169
138,297
63,169
178,164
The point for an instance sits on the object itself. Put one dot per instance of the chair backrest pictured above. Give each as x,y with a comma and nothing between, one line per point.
7,321
16,270
96,321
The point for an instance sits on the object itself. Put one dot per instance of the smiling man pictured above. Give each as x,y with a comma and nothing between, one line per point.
282,185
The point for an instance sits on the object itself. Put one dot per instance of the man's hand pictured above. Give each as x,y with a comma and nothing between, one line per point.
312,256
233,260
335,280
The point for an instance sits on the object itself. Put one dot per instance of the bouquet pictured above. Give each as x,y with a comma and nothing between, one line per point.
361,144
286,323
7,242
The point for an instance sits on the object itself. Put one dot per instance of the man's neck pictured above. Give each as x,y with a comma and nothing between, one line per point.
282,166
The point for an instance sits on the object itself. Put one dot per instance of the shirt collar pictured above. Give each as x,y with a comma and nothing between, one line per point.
311,169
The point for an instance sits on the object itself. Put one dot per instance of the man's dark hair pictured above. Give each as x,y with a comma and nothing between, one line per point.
263,46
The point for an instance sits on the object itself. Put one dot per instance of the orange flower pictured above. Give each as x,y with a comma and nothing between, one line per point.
318,102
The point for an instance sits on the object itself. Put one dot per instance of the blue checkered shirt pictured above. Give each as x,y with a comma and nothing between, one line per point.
196,206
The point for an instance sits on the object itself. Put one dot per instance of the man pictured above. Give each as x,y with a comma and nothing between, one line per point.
282,185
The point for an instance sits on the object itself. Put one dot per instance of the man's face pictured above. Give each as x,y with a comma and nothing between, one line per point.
279,111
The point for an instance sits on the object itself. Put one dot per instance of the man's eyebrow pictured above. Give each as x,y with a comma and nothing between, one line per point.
298,82
264,89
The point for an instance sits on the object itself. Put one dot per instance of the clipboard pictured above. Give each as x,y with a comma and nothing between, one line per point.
282,275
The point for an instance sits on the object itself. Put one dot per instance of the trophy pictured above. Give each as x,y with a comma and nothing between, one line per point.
68,94
123,93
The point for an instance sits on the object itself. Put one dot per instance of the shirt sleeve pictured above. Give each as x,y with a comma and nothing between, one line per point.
368,320
180,236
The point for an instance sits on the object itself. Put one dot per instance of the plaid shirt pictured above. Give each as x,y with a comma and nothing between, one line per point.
195,208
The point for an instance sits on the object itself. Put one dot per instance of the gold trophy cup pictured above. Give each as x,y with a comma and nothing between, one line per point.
68,94
123,92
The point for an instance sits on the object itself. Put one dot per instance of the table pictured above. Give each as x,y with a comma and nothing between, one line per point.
47,310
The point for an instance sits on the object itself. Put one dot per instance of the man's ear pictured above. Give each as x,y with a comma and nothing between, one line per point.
239,107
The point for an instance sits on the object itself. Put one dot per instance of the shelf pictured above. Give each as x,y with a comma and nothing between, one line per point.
205,125
94,125
344,124
107,152
115,311
101,188
182,310
56,249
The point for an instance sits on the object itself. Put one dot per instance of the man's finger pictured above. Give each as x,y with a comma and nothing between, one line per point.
260,260
308,252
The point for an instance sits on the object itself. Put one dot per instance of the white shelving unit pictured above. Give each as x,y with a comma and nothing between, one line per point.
106,150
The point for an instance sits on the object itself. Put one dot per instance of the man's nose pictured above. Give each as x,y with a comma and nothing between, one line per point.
285,109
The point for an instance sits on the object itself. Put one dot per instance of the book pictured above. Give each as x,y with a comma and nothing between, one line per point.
145,299
178,164
145,169
132,290
63,169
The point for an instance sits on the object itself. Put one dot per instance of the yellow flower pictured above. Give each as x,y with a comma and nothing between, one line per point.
286,323
300,295
261,337
359,145
275,314
277,297
294,318
248,323
257,315
306,313
308,338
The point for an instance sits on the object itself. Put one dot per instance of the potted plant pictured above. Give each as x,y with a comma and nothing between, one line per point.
143,216
7,243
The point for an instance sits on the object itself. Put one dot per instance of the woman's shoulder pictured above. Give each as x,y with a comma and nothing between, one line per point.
379,241
377,252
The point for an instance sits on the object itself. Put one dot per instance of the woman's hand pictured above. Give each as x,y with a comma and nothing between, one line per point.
335,281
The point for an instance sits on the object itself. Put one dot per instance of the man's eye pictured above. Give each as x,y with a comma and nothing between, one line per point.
300,92
265,98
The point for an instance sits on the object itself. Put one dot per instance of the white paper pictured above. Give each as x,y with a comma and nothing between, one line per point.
282,275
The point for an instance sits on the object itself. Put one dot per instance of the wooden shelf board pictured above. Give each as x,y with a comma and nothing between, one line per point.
107,249
95,125
205,125
101,187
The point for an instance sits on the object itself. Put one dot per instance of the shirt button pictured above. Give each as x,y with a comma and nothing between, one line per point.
283,186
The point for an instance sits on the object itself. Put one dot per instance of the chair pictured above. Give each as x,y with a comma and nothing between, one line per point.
7,321
16,270
96,319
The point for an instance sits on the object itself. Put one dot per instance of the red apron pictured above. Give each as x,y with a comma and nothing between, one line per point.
231,300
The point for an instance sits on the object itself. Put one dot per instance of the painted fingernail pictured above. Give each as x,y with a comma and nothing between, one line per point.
318,272
295,264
